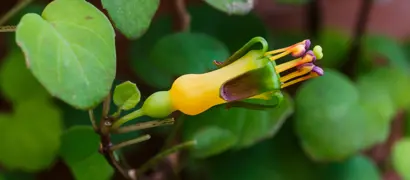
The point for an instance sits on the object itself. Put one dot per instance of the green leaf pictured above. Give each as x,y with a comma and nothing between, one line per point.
401,158
126,95
332,121
131,17
73,55
78,143
388,48
336,44
279,158
30,137
194,53
94,167
212,140
232,7
395,82
355,168
292,2
79,150
234,31
15,80
247,126
142,65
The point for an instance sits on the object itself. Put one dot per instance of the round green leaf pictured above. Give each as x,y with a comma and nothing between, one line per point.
225,27
395,82
131,17
247,126
212,140
126,95
30,137
78,143
232,7
329,120
94,167
18,83
389,48
401,158
184,53
70,50
279,158
355,168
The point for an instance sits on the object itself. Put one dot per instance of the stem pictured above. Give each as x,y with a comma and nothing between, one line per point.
130,142
135,114
350,65
92,119
314,18
20,5
144,125
148,165
182,18
7,28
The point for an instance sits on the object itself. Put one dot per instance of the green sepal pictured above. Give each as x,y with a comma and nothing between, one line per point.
255,106
243,50
251,83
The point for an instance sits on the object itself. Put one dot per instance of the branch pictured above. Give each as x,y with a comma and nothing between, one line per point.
353,55
20,5
144,125
314,18
182,19
92,119
130,142
7,28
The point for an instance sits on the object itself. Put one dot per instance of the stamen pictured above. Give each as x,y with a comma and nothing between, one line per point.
297,50
301,71
279,55
275,51
311,75
309,57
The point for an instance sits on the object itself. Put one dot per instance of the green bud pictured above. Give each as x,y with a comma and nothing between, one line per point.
158,105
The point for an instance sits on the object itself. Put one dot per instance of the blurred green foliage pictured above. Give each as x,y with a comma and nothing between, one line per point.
318,132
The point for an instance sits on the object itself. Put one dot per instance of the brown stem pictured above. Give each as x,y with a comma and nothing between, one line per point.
105,140
181,16
20,5
145,125
314,18
353,55
7,28
130,142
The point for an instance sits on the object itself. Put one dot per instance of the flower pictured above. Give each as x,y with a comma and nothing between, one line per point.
247,74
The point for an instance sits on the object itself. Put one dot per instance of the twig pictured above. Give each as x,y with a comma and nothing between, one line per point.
144,125
182,19
130,142
20,5
7,28
148,165
350,65
314,18
92,119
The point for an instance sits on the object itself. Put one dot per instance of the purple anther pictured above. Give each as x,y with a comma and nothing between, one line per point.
310,52
319,71
307,44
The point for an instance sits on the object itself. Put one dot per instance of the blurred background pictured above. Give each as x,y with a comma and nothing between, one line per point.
350,124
